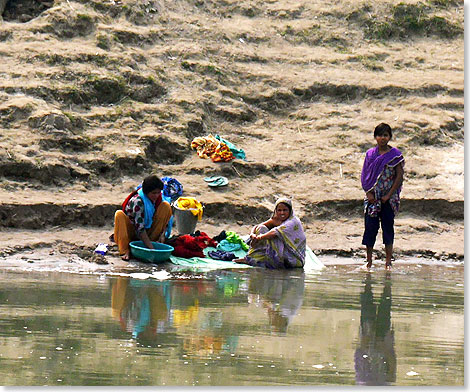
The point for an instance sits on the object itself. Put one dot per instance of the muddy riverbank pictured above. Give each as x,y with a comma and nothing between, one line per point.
95,95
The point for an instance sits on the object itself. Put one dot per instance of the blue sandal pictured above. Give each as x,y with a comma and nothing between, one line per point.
220,181
211,178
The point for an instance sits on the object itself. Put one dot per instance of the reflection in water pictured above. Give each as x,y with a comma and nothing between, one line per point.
375,359
147,309
142,309
281,296
57,329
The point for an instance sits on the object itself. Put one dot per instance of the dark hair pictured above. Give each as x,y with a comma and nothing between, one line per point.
151,183
381,129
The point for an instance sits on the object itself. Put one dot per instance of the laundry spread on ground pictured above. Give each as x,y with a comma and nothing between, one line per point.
234,238
202,264
188,245
206,263
237,152
210,147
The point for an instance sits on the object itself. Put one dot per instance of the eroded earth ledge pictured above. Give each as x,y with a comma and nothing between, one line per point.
95,95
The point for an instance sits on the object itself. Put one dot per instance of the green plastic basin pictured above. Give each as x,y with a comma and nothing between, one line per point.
160,254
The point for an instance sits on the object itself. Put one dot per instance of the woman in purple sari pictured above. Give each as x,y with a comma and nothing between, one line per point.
278,243
381,178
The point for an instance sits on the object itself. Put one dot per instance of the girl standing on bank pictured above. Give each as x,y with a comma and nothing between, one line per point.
381,179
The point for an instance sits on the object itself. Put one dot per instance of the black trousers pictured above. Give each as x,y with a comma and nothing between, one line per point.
384,218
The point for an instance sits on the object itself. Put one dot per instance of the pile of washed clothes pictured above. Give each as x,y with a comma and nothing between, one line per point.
192,245
216,148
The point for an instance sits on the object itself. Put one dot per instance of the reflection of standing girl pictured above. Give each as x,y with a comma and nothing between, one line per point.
375,360
381,179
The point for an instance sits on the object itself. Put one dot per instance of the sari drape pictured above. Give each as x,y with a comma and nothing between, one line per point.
286,250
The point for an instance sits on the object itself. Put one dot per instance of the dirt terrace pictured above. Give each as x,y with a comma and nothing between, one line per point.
94,95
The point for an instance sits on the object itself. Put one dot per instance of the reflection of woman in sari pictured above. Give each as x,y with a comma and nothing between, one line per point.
282,298
375,358
279,242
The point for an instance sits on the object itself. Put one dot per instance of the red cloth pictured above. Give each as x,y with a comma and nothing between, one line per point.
204,240
181,251
188,246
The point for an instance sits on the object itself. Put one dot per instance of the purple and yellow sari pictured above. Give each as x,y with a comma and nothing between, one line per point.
378,175
286,250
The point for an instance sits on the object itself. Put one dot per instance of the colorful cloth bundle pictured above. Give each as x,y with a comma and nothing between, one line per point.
237,152
205,145
172,188
190,203
210,147
222,154
234,238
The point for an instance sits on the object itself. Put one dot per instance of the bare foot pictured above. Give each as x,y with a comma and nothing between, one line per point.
369,264
126,256
239,261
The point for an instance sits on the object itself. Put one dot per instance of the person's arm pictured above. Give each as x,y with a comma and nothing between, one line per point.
269,224
137,211
396,183
370,196
145,238
266,236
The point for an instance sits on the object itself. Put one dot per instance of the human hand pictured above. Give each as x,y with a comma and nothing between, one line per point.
370,197
385,198
254,239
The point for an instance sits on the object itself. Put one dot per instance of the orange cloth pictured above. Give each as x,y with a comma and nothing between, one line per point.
205,145
210,147
124,231
222,153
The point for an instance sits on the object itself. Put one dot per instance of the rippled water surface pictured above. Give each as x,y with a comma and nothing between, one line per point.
342,326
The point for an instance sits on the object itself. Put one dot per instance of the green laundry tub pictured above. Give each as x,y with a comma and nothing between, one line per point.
160,254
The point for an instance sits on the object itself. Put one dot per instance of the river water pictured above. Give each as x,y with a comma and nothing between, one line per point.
250,327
